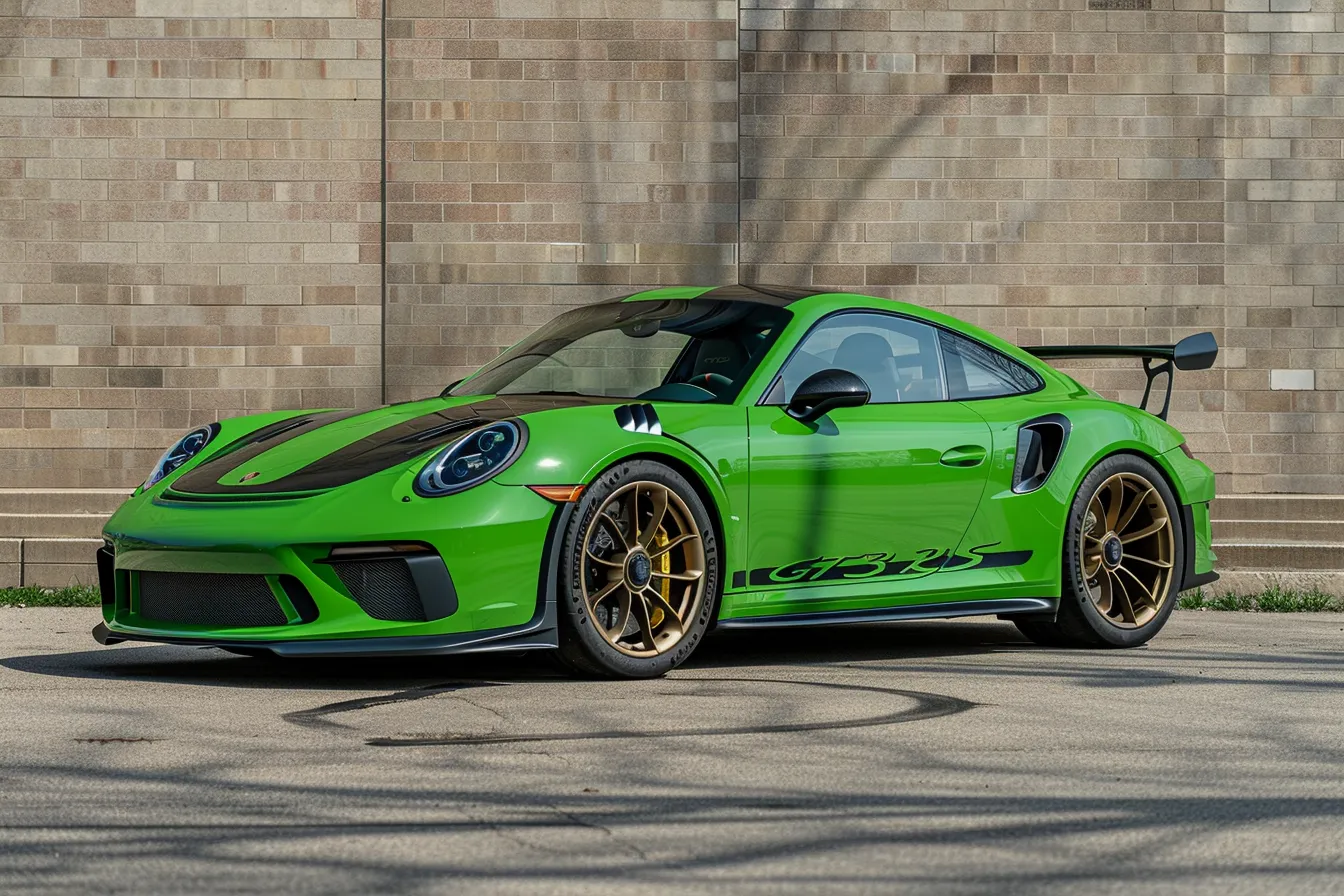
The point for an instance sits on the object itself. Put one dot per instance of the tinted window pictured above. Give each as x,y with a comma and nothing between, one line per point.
898,358
975,370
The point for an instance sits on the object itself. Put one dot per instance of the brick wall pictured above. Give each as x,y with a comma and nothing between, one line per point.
189,224
538,160
190,206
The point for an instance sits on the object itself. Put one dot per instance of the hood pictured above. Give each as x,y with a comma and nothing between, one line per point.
322,450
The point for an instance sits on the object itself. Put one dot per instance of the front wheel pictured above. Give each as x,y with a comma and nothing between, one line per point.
640,573
1123,556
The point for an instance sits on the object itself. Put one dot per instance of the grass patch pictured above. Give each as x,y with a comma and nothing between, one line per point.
36,596
1274,599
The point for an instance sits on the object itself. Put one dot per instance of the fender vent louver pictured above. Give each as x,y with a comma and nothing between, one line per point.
639,418
1039,445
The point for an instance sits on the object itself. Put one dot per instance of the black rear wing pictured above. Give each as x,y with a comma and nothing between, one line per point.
1196,352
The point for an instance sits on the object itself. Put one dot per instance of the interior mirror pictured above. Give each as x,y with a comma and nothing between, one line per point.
826,390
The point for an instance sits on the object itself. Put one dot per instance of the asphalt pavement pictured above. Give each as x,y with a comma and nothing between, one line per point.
929,757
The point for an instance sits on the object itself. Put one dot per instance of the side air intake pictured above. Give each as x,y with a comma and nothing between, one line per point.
639,418
1039,445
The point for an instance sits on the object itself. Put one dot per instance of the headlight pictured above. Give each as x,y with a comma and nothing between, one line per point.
472,459
186,448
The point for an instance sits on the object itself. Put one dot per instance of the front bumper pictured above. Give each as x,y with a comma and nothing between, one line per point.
276,575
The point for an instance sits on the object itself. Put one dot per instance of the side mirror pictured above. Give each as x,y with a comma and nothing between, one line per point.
826,390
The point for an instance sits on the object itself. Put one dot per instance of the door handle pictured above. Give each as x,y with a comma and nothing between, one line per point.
963,456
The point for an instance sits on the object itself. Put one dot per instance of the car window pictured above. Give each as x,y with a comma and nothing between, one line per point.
975,370
898,358
692,350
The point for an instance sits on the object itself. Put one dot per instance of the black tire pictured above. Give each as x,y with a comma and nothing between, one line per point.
1082,620
583,647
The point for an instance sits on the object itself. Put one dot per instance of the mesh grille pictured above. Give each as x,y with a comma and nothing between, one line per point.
383,588
209,598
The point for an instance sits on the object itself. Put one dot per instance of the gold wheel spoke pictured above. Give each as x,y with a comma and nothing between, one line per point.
1160,564
1147,592
680,539
690,575
597,559
1105,601
1097,511
1089,573
604,593
622,616
1092,538
659,498
1118,590
1157,526
669,615
633,518
1115,488
1128,516
614,527
640,607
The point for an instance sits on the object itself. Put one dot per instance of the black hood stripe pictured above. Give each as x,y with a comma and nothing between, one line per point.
396,444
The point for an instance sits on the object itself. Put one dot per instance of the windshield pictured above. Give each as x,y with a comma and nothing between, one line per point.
679,350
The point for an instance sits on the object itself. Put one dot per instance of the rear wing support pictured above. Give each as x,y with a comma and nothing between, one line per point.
1197,352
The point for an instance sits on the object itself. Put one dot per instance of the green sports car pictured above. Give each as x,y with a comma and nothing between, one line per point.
642,470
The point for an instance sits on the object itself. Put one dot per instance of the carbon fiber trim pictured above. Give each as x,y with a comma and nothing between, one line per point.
384,589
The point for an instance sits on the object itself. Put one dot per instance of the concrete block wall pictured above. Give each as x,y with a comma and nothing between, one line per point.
189,223
191,202
543,154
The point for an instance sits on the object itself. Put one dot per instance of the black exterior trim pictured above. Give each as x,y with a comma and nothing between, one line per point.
951,609
299,598
1033,453
767,294
640,418
740,579
1190,578
107,587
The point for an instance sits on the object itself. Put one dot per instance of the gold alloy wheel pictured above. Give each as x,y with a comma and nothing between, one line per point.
1127,550
643,575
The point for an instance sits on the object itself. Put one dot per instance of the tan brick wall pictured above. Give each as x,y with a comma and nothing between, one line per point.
1285,121
539,159
189,223
1051,173
189,206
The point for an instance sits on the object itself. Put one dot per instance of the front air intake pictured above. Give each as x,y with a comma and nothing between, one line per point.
219,600
384,589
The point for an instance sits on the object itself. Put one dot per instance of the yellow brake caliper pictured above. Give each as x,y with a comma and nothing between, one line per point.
664,565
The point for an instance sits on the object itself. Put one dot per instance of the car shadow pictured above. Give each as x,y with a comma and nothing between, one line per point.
820,645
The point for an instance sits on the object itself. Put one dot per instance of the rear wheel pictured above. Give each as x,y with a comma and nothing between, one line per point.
1123,554
640,573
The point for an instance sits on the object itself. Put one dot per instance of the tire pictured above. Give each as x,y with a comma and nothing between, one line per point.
636,598
1113,598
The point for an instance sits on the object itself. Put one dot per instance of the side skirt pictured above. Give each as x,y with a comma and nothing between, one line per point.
1017,606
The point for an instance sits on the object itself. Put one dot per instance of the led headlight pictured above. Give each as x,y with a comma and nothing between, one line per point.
184,450
472,459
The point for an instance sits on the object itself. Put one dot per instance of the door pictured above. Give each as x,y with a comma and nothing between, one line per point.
867,498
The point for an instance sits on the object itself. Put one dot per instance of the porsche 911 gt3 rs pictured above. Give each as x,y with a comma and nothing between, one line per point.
642,470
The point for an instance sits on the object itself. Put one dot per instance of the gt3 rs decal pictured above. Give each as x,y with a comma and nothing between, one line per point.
879,565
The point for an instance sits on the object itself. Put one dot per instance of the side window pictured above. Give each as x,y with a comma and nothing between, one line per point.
977,371
898,358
